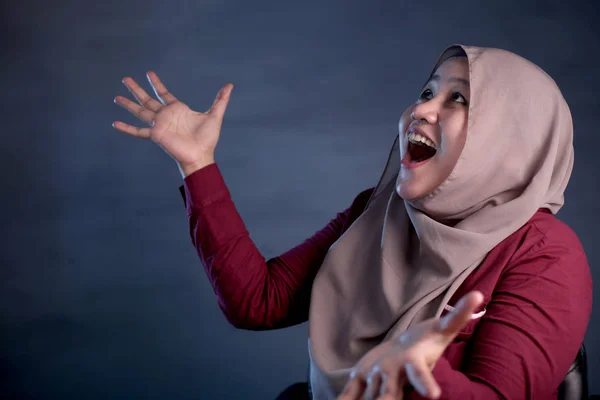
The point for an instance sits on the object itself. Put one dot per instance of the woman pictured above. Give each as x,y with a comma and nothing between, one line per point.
464,209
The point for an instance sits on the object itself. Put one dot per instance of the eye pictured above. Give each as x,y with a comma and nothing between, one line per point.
459,98
426,94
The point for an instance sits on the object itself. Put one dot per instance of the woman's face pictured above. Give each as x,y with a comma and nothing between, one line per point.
433,131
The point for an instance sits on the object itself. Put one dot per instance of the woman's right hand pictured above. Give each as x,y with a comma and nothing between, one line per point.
189,137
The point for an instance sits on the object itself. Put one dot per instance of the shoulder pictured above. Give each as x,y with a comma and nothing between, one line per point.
546,247
544,232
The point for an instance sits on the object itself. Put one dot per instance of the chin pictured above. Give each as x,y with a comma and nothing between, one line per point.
408,192
412,189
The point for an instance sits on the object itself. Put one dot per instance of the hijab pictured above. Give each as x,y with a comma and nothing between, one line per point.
398,263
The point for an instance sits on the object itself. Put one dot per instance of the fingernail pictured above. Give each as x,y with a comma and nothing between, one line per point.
479,296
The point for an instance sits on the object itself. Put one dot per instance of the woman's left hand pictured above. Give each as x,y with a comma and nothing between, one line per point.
409,358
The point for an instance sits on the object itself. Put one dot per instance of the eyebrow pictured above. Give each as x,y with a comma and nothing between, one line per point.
455,79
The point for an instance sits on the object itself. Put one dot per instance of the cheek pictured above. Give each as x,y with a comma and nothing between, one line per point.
455,136
461,137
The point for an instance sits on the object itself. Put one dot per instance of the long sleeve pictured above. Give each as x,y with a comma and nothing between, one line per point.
252,292
534,325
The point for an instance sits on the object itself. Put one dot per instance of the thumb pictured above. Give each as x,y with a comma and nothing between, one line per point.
220,104
451,323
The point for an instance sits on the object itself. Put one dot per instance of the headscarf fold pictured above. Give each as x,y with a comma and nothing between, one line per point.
399,263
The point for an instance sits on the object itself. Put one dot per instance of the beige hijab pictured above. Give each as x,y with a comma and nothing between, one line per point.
397,265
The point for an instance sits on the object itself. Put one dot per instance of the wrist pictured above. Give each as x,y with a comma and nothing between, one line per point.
189,168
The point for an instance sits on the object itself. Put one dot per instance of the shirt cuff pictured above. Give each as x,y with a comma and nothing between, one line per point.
203,187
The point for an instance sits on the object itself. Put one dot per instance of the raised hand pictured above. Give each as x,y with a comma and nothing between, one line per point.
409,358
188,136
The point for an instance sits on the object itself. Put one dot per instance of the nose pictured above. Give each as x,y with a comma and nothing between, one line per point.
426,111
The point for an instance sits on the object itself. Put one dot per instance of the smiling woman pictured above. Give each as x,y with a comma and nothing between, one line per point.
462,219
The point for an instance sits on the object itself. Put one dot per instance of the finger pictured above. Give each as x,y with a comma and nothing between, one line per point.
160,90
143,133
375,382
142,113
390,396
141,96
393,384
383,386
354,389
422,379
220,104
455,320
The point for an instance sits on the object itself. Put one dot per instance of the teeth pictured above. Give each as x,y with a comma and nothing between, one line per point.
416,138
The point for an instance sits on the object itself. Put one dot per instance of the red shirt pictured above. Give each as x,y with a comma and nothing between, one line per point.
536,284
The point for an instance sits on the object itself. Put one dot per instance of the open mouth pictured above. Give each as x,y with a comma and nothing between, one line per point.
419,148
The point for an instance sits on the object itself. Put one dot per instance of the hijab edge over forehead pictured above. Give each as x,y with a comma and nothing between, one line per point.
500,105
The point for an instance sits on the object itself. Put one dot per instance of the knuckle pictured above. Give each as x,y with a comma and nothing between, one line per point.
376,369
388,364
410,357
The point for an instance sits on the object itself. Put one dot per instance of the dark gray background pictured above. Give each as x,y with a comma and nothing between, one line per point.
102,293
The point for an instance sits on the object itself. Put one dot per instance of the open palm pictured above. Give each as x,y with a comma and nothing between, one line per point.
186,135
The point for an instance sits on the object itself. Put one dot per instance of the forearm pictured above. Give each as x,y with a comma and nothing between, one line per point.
252,292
